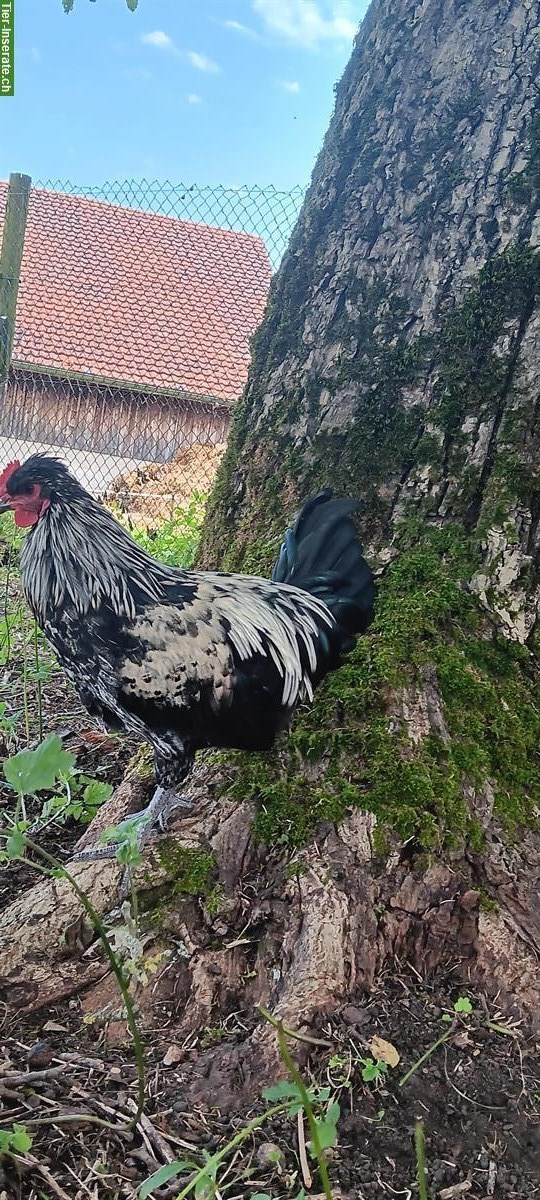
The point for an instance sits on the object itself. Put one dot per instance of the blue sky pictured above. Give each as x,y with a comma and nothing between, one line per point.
227,92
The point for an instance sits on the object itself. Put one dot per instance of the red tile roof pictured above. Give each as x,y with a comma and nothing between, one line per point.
137,298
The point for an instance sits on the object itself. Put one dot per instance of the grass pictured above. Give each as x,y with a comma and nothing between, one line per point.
175,541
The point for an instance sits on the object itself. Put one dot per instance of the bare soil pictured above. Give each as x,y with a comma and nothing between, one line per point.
478,1097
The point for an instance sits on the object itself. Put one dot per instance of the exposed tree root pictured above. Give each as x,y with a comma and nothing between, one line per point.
300,946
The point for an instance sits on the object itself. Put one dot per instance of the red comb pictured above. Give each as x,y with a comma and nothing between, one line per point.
6,474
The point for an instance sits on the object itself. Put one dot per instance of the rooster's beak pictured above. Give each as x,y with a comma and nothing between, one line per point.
4,507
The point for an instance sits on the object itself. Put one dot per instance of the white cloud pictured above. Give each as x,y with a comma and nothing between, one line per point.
244,30
307,22
159,39
289,85
202,63
162,41
193,98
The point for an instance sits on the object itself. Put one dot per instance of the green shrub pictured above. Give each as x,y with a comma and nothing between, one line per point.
175,541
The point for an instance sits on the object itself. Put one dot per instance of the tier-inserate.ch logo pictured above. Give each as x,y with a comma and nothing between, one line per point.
7,40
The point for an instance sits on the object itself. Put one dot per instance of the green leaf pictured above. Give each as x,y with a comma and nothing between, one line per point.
327,1134
96,793
16,843
40,674
15,1140
333,1113
55,804
125,831
132,4
32,771
281,1091
20,1139
373,1070
125,836
67,5
260,1196
128,855
463,1005
169,1171
205,1187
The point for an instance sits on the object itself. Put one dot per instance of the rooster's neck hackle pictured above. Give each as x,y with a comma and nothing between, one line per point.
78,554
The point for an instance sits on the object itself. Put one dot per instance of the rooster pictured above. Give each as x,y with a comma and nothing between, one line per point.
184,659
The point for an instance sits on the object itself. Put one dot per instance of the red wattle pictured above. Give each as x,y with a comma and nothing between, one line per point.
26,515
24,518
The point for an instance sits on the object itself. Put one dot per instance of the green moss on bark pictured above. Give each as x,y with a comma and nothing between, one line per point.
188,872
361,756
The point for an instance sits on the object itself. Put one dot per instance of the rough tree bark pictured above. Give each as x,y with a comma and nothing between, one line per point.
398,361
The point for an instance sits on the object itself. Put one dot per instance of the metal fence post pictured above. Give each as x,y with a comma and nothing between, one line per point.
18,195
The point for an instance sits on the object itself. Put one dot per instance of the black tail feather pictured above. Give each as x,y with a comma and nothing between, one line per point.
322,555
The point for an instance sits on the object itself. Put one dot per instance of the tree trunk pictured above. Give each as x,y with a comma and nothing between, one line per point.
397,362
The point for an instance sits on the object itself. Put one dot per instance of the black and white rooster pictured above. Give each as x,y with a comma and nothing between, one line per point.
185,659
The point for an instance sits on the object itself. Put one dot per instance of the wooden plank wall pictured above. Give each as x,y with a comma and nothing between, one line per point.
106,420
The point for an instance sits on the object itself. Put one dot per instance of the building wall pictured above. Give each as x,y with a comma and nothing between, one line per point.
106,420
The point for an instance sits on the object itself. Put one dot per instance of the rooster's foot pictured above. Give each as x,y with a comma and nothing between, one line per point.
155,815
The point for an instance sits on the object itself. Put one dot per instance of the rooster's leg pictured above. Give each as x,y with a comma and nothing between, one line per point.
155,815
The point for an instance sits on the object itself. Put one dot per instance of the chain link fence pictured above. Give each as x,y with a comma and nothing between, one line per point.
126,313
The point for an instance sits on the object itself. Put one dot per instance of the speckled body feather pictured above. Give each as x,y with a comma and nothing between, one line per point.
186,659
